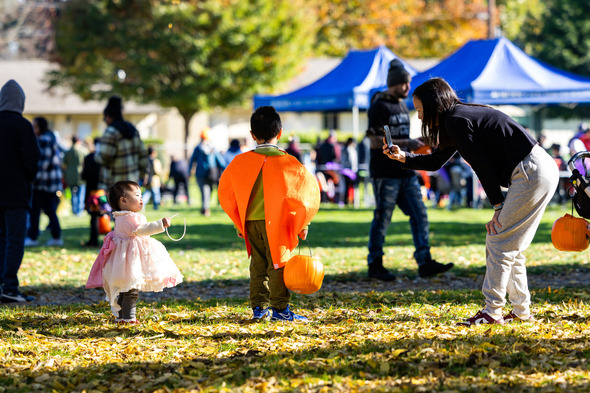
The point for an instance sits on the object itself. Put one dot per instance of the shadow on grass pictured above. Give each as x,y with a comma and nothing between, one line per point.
157,318
379,363
202,295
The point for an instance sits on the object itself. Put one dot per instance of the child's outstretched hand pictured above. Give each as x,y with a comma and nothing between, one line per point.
303,234
166,221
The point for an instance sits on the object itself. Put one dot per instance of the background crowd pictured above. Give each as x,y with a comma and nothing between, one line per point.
342,166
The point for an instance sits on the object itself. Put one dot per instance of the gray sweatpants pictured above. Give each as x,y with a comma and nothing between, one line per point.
533,183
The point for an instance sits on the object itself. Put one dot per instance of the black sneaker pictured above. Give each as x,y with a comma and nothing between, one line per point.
15,297
376,270
432,267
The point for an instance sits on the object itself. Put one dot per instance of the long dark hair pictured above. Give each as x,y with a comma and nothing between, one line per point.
438,99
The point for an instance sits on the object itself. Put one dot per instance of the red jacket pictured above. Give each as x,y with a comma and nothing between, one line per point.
291,198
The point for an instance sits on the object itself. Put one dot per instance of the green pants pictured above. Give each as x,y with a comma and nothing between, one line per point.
266,282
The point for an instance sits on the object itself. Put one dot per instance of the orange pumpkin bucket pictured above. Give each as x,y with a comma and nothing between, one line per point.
303,274
104,224
570,233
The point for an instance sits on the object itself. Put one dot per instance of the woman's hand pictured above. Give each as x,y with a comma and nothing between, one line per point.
166,222
394,152
490,225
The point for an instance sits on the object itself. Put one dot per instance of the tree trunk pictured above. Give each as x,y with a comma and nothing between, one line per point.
187,118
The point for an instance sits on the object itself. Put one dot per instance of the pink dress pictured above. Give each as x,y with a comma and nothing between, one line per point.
131,259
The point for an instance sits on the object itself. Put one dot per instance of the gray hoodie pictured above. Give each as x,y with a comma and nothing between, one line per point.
12,97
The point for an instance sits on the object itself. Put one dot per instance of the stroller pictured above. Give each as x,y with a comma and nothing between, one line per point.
580,184
571,233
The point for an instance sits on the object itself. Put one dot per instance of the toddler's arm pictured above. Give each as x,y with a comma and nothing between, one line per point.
151,228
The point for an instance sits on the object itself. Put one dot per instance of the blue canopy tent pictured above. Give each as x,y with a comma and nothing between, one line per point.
347,87
497,72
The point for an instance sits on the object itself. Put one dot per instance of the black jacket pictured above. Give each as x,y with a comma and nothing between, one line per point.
490,141
19,151
393,112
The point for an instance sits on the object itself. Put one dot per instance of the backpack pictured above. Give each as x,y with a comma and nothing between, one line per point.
214,166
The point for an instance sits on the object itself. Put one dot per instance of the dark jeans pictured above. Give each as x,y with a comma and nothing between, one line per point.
78,193
405,193
48,202
177,184
206,187
155,192
13,227
266,282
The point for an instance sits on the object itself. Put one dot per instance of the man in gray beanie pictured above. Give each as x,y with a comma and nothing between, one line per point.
392,184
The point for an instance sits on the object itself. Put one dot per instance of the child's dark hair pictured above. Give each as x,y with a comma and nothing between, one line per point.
118,190
265,123
42,124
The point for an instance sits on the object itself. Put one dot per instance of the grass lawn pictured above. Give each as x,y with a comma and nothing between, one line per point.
364,336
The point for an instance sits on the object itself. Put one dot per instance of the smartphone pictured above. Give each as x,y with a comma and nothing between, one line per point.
387,136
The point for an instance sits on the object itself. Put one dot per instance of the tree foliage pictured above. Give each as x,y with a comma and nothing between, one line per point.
559,34
192,54
514,14
422,28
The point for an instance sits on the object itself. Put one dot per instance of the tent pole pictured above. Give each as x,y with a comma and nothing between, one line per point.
355,122
355,135
491,21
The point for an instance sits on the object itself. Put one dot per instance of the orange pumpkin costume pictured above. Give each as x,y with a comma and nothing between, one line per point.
291,198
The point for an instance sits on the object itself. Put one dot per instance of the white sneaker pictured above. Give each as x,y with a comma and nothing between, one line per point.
55,242
30,242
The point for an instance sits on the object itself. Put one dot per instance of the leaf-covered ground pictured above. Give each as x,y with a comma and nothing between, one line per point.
364,335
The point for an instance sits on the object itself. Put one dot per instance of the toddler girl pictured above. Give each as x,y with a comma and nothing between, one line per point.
129,260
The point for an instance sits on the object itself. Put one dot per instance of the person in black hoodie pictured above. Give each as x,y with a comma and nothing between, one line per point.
121,153
393,185
19,157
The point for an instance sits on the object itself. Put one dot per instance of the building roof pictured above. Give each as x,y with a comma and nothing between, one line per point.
30,75
345,87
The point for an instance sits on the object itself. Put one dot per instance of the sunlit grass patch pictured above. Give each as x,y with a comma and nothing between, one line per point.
366,336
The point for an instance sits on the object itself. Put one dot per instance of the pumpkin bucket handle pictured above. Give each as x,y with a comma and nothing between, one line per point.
310,253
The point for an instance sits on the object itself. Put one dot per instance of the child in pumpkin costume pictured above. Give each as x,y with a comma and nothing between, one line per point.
271,198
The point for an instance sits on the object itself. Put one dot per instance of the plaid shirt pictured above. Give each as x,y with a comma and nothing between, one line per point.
120,158
49,176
